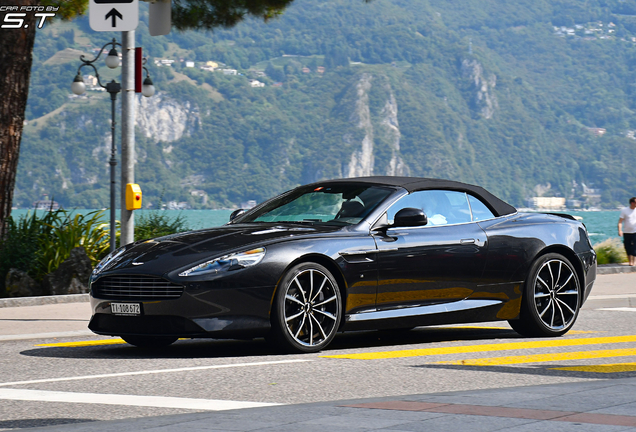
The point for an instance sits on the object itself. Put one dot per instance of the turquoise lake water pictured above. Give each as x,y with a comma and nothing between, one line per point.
601,225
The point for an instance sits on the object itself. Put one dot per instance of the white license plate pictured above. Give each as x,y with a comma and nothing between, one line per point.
125,308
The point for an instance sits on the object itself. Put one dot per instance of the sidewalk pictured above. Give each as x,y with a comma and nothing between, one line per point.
52,320
598,406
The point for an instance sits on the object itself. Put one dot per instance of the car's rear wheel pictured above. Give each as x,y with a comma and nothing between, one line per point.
150,342
551,298
307,309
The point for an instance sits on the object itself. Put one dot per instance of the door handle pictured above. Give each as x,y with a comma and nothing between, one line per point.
357,252
467,241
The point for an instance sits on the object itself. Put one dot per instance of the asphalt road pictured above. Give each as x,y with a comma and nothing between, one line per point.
56,381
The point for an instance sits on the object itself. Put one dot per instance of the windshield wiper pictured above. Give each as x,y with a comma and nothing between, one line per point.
337,222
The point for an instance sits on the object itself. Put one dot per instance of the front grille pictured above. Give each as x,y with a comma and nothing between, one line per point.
135,288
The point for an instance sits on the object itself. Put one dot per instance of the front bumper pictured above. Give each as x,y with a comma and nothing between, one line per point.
198,312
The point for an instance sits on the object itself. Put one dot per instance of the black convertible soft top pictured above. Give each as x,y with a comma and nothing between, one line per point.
412,184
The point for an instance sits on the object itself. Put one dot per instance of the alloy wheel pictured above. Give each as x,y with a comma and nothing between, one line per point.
311,308
556,294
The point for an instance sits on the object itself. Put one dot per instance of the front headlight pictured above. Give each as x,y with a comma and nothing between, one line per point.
109,260
228,262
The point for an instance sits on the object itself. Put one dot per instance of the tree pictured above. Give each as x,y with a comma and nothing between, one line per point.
16,56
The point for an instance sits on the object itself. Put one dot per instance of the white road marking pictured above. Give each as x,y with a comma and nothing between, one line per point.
128,400
611,296
150,372
46,335
622,309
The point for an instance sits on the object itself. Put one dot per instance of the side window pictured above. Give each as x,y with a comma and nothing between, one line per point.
414,200
479,209
441,207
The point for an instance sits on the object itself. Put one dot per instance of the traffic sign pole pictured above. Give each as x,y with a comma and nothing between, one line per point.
127,219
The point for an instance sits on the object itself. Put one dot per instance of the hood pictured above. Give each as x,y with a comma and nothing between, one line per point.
178,250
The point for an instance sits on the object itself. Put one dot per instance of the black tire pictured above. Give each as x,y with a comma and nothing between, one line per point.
551,298
307,309
150,342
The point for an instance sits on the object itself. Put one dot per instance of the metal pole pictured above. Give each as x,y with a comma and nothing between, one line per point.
113,164
127,226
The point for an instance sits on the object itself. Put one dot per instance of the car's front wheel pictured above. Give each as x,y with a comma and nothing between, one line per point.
150,342
307,309
551,298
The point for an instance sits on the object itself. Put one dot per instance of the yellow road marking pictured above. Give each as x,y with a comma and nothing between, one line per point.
118,341
470,328
538,358
571,332
84,343
486,347
115,341
604,368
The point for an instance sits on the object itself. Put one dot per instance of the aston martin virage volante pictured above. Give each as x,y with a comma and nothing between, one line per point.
352,254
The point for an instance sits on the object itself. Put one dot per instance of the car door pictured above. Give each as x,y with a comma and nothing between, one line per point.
436,263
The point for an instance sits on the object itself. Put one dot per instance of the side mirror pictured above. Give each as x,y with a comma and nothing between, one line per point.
236,213
410,217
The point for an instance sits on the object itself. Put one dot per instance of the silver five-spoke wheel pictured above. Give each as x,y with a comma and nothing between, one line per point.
551,298
307,308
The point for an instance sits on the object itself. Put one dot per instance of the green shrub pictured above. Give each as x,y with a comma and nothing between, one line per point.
157,224
20,246
69,232
38,244
610,251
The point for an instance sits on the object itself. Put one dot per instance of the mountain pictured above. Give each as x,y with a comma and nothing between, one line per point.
526,98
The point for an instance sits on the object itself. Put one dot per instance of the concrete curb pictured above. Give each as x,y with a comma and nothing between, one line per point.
43,300
615,268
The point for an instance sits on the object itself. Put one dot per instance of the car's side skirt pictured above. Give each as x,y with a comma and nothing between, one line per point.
425,315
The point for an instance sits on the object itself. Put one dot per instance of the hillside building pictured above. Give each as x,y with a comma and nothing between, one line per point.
599,132
547,203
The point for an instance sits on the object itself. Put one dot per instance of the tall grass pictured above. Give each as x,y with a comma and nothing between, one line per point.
38,243
20,246
610,251
157,224
69,232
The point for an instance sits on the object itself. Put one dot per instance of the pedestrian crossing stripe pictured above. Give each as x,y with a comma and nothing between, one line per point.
464,349
541,358
603,368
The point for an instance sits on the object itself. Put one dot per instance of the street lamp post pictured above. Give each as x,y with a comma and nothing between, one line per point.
79,87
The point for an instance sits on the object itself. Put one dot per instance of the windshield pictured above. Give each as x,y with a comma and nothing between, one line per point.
345,204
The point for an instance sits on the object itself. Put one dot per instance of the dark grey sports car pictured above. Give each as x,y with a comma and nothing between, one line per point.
352,254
